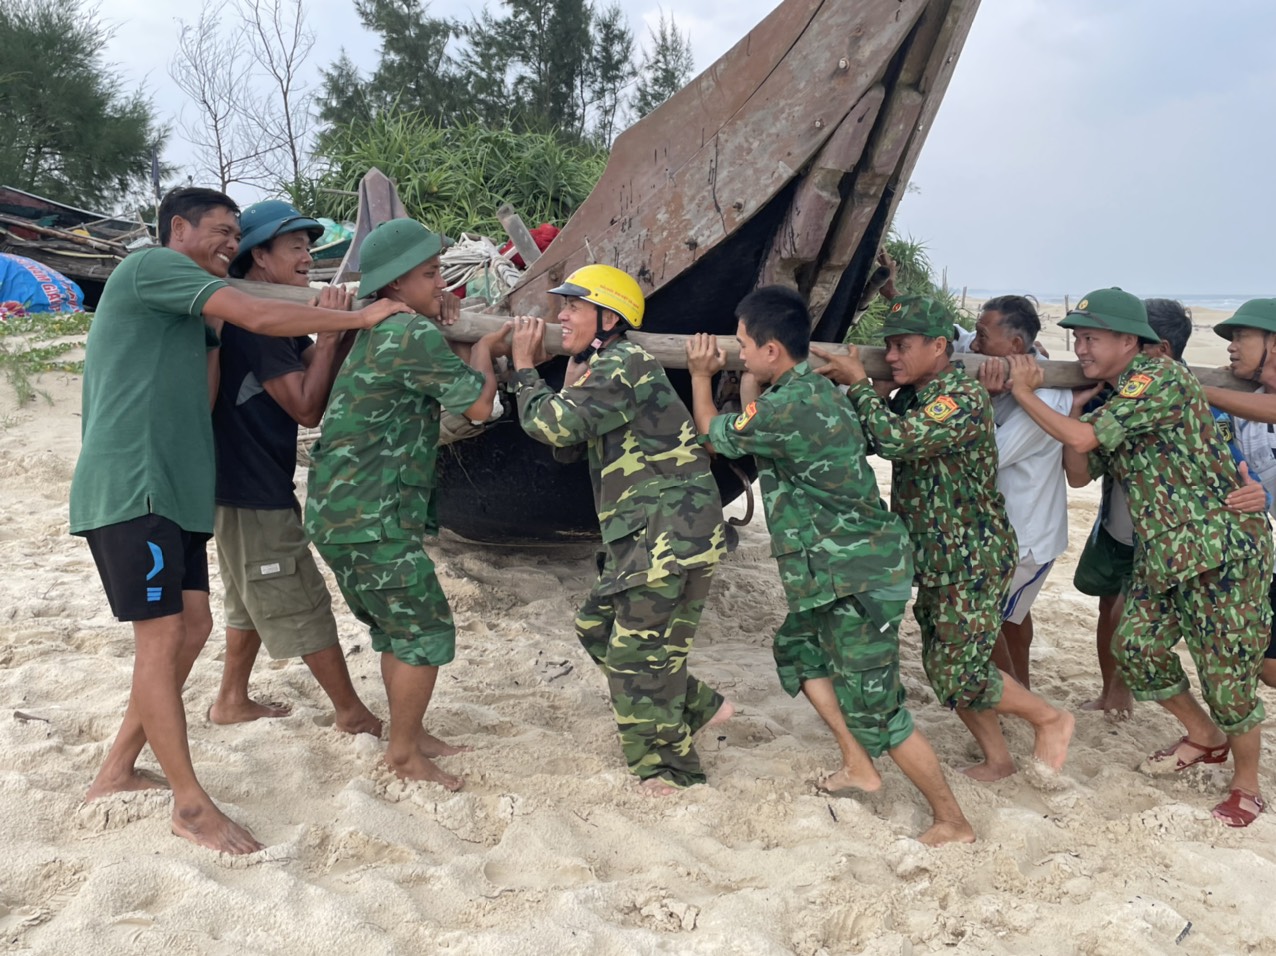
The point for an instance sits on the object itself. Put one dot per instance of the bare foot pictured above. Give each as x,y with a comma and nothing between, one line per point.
945,831
1052,739
1099,703
1119,705
851,778
725,713
244,711
104,786
358,721
656,787
432,746
207,826
416,766
986,772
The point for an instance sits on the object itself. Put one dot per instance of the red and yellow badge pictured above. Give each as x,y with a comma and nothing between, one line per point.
745,416
584,378
942,408
1135,385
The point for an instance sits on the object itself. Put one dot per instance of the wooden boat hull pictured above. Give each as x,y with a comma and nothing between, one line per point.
783,162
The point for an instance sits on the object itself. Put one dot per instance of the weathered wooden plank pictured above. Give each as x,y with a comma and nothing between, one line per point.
519,234
836,60
670,350
802,235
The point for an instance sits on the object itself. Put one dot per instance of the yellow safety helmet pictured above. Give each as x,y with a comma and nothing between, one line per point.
608,288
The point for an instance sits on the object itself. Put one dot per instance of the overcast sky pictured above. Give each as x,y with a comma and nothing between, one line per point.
1081,143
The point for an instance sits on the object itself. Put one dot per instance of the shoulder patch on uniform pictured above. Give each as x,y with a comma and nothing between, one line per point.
583,379
745,416
942,408
1135,385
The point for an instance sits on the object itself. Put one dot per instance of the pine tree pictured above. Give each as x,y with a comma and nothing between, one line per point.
611,70
666,67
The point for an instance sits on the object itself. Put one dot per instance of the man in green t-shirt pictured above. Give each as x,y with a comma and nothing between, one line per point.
371,483
142,493
845,560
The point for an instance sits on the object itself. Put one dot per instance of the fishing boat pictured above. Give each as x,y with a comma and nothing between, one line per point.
783,162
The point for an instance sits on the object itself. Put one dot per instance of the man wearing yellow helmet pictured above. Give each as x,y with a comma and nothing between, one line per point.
658,510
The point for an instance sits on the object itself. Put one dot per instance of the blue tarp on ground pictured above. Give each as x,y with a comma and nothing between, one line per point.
26,286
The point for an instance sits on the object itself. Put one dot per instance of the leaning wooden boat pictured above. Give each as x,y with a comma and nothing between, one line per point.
84,246
782,162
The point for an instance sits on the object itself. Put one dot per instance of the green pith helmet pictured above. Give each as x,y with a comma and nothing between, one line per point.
1113,310
918,315
1254,314
263,221
394,249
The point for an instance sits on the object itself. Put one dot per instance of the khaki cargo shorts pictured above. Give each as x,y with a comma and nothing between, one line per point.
273,585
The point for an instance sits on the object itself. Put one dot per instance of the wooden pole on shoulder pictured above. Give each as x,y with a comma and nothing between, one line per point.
670,350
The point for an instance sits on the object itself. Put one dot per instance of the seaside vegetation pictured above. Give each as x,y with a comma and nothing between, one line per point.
914,275
40,342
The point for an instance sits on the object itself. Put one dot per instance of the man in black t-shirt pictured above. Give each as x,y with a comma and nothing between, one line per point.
274,592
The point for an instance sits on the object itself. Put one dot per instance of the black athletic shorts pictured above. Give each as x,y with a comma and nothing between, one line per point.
145,565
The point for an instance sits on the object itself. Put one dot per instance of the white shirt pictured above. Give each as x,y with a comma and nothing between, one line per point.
1257,441
1030,472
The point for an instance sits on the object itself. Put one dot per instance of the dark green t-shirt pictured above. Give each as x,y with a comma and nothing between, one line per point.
147,434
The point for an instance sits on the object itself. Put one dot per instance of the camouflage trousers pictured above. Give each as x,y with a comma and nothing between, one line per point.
391,586
960,624
1224,618
640,638
854,641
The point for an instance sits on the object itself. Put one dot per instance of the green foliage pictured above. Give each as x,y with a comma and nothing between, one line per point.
666,67
71,130
914,275
453,178
21,358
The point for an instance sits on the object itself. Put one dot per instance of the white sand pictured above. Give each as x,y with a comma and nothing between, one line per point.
549,849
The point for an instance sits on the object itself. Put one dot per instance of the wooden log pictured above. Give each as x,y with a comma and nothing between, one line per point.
519,234
670,350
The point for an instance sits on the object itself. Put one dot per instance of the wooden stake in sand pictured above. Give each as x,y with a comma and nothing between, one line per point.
670,350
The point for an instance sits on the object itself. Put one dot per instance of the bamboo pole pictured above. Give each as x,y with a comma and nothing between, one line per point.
670,350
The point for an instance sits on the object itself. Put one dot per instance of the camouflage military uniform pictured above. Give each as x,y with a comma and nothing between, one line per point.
1201,573
371,487
942,440
844,558
661,522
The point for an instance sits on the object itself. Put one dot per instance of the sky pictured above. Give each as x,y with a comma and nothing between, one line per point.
1081,144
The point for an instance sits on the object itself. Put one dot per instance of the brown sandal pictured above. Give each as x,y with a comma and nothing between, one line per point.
1161,759
1231,813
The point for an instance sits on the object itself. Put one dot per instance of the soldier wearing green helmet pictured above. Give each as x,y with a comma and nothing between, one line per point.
938,430
274,593
372,474
1251,335
1201,572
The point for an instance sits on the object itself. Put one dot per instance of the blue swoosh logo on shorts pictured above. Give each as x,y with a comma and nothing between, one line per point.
158,557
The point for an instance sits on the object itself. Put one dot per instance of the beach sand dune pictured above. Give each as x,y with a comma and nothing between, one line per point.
549,848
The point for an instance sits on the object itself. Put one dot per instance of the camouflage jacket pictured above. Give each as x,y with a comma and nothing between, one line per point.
943,442
658,505
830,531
1158,438
372,471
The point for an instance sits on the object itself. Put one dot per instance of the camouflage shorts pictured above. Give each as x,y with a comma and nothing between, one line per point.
960,624
854,642
640,639
391,587
1224,617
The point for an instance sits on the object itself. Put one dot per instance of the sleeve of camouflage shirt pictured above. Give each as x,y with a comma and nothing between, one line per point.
427,364
1149,400
918,432
758,430
600,401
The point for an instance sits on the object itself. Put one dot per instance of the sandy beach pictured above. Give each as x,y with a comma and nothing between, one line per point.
549,848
